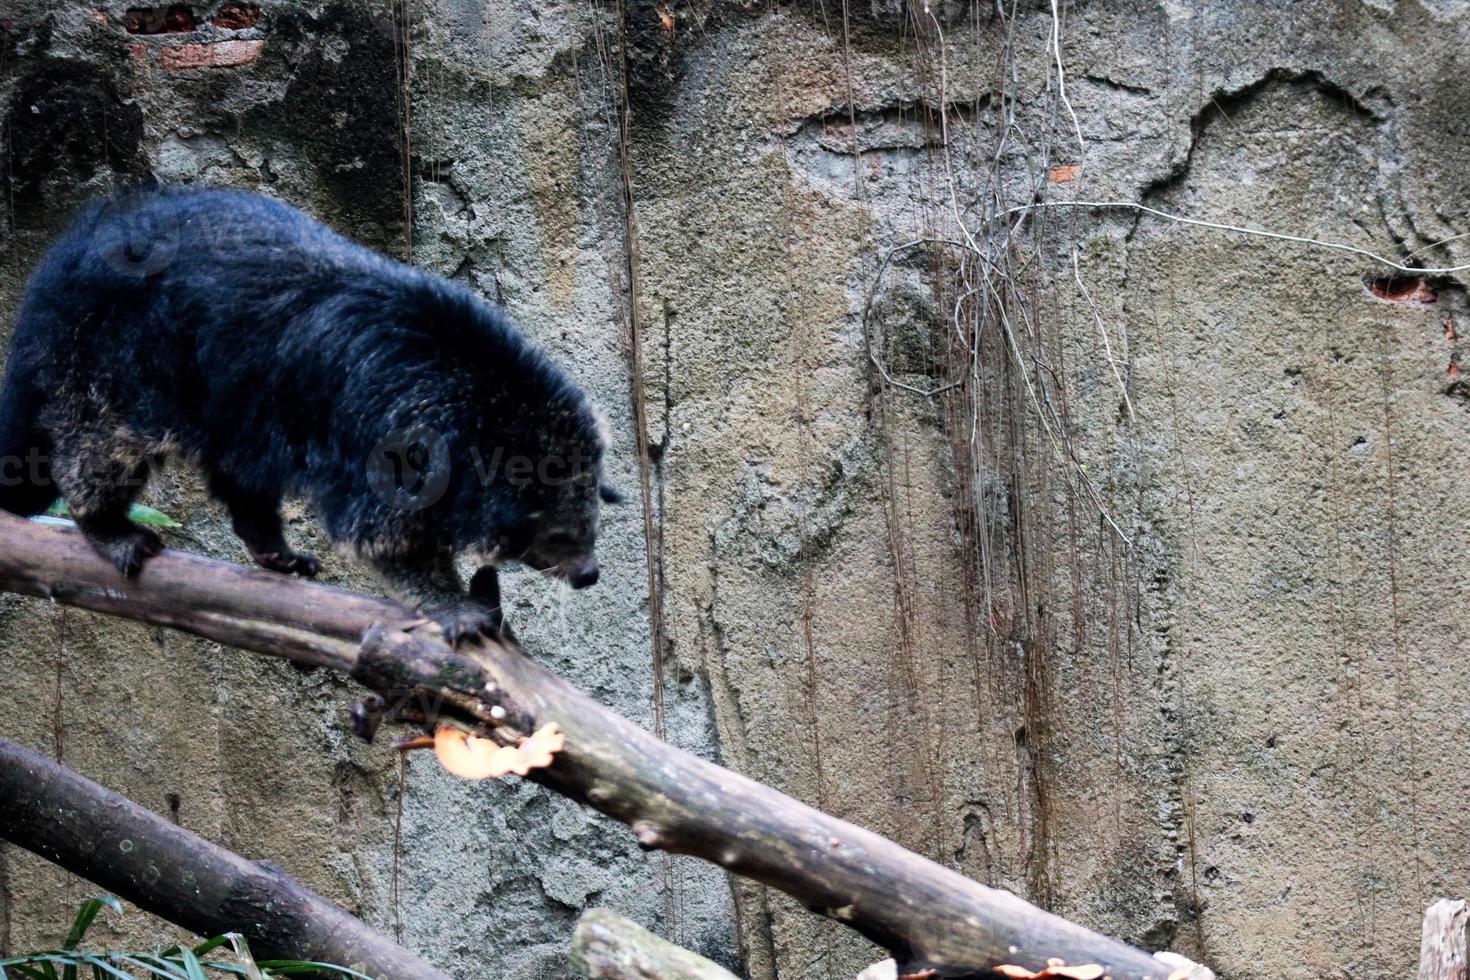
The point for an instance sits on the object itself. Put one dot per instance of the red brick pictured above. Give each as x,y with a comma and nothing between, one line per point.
1404,289
219,54
176,19
237,16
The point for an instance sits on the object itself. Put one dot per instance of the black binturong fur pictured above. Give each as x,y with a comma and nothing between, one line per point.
286,360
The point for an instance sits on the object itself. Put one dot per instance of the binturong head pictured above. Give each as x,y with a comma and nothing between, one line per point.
562,538
506,459
556,483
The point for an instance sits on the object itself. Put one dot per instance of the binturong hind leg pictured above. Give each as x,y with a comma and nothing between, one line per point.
428,579
257,523
100,479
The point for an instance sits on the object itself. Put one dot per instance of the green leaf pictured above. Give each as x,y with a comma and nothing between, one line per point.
141,513
247,959
156,968
53,521
40,965
86,915
209,945
36,965
192,966
144,514
175,963
100,966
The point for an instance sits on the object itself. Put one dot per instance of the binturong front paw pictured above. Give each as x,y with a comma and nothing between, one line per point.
288,563
127,548
465,620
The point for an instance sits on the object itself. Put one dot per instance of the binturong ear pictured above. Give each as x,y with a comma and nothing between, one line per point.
609,495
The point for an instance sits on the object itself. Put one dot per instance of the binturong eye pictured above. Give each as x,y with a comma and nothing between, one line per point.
609,495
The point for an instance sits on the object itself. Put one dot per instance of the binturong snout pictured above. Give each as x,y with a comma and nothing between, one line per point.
582,573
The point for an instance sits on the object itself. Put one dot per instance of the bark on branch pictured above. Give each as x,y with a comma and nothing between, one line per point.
609,947
180,876
1444,949
930,918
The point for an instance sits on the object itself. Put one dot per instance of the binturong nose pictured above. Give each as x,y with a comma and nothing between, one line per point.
583,574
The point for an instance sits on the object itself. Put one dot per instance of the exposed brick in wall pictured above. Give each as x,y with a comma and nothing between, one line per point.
237,16
217,54
173,19
182,40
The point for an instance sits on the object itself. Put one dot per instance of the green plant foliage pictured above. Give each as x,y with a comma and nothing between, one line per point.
141,513
200,962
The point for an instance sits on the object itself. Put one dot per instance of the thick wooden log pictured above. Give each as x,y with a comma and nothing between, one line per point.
1444,952
609,947
929,917
180,876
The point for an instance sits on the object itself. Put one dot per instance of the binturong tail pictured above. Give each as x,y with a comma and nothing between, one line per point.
25,452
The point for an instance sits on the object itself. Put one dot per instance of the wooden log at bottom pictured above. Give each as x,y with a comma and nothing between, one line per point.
179,876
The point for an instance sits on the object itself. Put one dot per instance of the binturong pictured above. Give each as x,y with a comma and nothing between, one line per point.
283,359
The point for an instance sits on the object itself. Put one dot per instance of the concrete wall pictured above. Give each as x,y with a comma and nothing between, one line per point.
1154,618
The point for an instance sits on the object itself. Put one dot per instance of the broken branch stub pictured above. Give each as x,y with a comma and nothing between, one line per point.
1444,951
609,947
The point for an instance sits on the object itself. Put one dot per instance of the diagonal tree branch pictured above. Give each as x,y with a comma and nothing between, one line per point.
929,917
180,876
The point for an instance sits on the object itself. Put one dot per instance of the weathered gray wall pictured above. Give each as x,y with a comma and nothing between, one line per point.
1240,732
513,193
